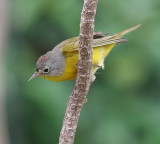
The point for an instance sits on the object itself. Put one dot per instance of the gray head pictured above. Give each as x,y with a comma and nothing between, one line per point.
50,64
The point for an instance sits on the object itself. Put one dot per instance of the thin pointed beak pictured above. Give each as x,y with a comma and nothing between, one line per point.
34,75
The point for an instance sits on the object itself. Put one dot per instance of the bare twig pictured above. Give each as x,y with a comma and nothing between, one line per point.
84,76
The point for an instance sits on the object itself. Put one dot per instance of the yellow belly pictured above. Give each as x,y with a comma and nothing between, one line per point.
70,71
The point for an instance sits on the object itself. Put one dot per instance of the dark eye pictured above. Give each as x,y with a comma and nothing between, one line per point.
46,70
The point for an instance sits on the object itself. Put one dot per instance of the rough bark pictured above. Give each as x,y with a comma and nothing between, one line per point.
84,77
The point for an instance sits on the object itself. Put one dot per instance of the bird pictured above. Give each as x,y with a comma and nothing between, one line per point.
59,64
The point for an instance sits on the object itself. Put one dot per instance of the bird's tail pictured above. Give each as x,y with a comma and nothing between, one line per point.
118,35
116,38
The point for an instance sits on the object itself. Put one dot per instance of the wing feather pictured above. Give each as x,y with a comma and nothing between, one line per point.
70,46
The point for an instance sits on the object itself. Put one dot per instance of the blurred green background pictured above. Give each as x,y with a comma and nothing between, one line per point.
123,103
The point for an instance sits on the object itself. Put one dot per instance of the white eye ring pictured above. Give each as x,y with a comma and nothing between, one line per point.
46,70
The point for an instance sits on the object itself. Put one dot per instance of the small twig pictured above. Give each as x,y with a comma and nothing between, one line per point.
84,77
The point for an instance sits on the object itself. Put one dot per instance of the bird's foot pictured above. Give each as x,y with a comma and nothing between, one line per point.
93,78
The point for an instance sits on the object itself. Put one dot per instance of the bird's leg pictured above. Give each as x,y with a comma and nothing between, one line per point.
93,77
96,65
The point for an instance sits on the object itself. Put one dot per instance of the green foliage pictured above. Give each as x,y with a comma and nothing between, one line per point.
123,104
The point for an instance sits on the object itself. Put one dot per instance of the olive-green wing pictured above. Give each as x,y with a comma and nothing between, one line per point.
70,46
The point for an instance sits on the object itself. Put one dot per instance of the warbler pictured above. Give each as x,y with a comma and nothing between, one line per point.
59,64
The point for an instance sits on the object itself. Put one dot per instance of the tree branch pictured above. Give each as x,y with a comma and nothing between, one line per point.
84,77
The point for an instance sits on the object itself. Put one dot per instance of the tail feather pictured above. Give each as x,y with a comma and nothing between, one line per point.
126,31
113,39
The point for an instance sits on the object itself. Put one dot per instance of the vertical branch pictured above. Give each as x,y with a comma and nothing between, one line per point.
84,78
